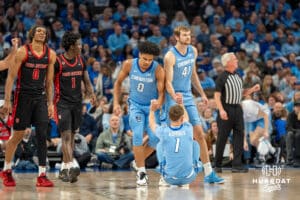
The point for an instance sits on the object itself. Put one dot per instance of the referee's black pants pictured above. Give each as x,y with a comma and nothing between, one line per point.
235,123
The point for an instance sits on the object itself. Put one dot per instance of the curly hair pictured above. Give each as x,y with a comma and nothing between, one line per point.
149,48
32,31
69,39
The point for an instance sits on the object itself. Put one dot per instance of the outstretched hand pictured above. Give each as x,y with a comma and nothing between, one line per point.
154,105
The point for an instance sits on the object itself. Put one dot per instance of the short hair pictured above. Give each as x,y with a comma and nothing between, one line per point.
32,31
149,48
225,58
176,112
69,39
178,29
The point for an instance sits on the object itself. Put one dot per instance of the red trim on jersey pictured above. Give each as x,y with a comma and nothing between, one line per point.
35,55
16,97
57,82
69,64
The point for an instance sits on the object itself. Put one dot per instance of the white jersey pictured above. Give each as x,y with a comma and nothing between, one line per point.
251,109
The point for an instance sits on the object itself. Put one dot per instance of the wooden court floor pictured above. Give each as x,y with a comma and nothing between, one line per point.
267,184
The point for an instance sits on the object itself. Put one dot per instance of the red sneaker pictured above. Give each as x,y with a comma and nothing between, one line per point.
8,179
43,181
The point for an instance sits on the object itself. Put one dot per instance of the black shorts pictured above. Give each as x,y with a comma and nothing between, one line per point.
68,116
29,110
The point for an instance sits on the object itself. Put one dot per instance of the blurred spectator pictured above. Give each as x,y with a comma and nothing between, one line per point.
105,22
164,26
293,136
267,86
133,10
93,40
117,41
279,121
296,69
93,72
48,8
205,81
231,22
25,152
250,45
88,128
81,151
179,20
156,37
104,84
290,46
150,7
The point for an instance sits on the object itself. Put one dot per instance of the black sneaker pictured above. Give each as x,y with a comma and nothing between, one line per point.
73,174
64,175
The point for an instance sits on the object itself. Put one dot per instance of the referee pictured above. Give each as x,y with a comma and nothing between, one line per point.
228,96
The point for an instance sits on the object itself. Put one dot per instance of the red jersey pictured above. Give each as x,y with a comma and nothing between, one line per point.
32,73
68,77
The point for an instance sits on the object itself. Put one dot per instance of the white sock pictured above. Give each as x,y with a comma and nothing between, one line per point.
142,169
7,166
271,148
63,166
75,163
42,169
207,168
70,165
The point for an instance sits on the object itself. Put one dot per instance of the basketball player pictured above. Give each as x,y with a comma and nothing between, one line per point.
177,152
146,82
181,75
70,70
34,69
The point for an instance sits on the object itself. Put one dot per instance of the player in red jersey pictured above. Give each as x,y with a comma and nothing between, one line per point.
33,104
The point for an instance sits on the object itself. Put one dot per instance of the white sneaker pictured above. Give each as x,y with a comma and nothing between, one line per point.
163,183
142,179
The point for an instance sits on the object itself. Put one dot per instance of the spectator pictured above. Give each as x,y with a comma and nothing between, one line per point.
88,128
25,152
293,136
296,69
179,20
81,151
113,146
250,45
290,46
156,37
206,82
104,84
133,10
93,40
150,7
117,41
279,121
105,22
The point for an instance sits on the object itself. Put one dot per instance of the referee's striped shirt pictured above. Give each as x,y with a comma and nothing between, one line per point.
231,88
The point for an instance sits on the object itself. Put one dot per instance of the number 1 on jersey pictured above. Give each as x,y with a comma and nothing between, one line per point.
177,145
73,82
